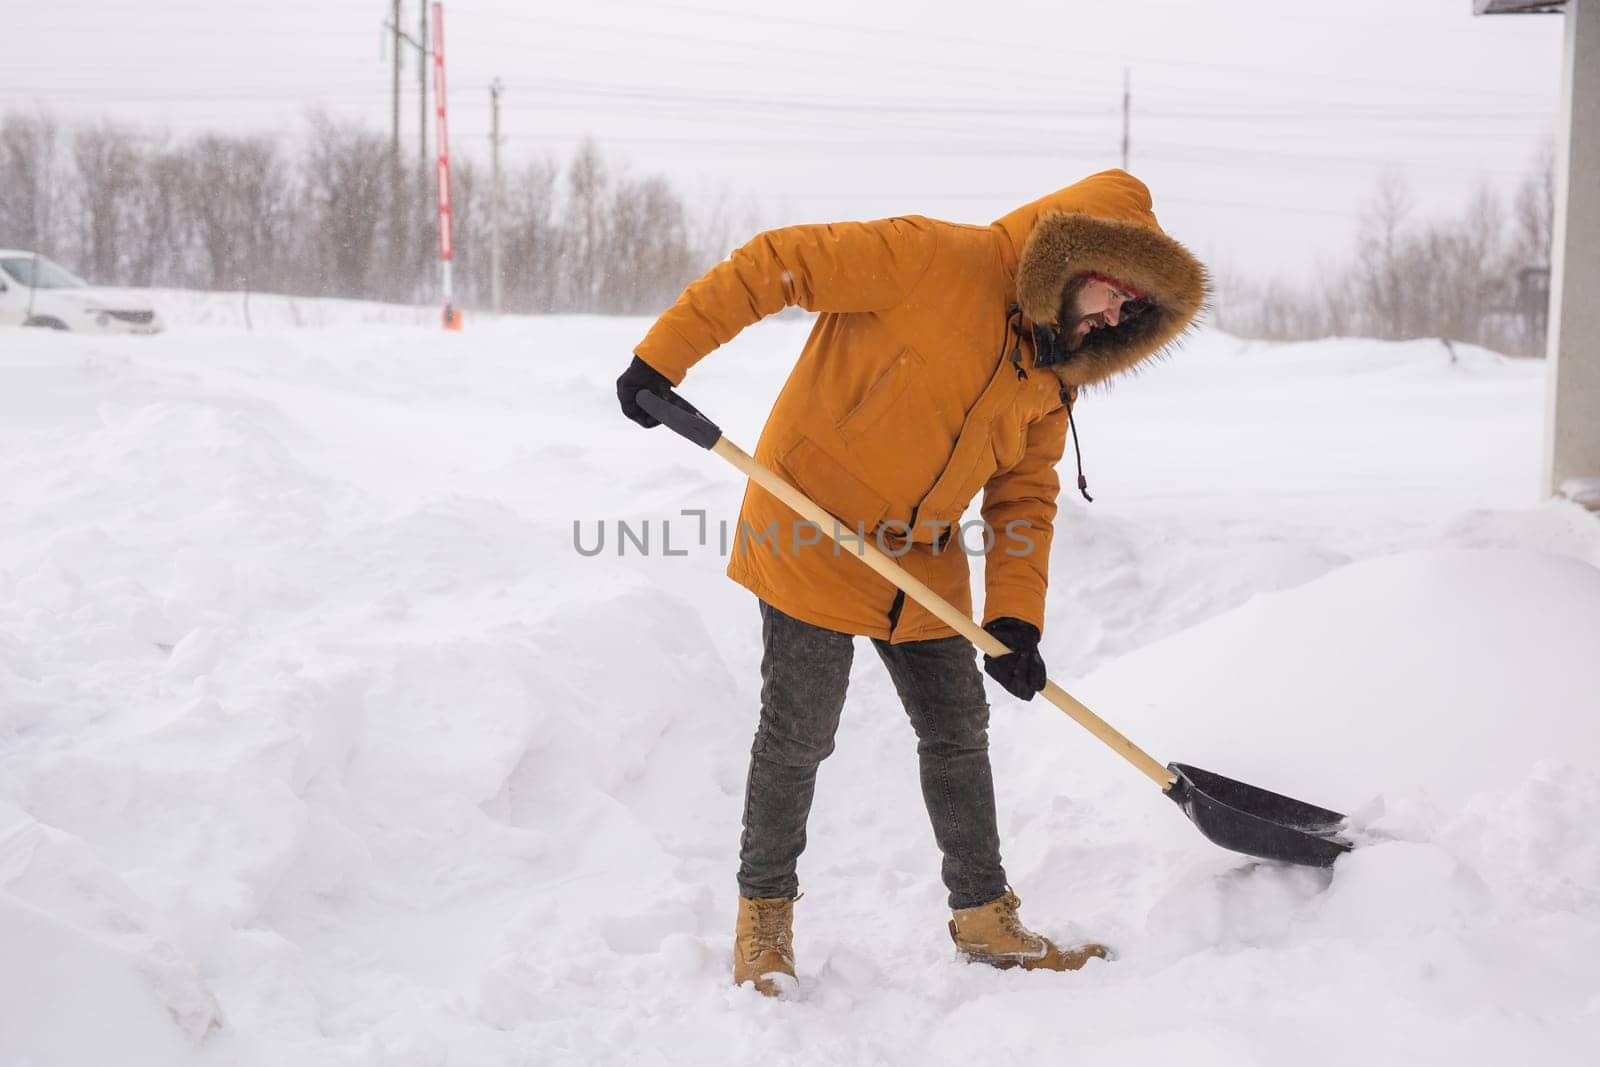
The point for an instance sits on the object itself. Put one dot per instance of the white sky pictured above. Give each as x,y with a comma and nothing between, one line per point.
1261,127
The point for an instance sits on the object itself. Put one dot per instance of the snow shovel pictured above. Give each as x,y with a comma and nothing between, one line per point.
1239,817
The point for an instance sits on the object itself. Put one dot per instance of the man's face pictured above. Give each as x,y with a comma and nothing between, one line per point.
1097,304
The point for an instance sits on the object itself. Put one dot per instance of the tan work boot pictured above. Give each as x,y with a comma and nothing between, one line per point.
991,933
763,943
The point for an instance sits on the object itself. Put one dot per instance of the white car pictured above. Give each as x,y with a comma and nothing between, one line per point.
36,292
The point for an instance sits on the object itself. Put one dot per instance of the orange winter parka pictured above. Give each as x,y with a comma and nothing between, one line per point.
917,390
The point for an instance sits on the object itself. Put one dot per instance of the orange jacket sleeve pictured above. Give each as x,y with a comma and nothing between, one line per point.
1017,570
843,267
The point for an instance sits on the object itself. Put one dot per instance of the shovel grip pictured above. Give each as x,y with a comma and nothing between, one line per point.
681,417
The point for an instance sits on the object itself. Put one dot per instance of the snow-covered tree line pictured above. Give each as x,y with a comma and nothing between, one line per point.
1478,276
328,212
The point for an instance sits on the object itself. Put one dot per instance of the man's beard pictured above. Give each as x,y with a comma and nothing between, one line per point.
1075,339
1070,338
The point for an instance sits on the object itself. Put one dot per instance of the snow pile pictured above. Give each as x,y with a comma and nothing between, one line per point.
1445,699
1356,671
321,743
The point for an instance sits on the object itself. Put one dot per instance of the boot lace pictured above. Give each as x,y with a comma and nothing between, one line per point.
772,927
1011,923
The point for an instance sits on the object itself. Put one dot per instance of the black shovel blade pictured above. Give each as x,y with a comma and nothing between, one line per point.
1257,822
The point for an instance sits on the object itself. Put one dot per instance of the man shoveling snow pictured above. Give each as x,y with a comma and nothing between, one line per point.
945,360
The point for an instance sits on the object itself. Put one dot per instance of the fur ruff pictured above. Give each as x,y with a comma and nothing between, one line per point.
1063,246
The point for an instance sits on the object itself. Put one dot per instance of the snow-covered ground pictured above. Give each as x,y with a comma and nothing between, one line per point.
320,743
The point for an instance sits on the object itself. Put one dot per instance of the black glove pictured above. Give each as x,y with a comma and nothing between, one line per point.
1022,672
641,375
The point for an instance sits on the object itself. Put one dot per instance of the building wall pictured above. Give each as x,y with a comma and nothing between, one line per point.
1572,433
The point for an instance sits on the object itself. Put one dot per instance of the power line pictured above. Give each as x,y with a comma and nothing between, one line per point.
1209,155
1010,203
645,93
1007,52
558,95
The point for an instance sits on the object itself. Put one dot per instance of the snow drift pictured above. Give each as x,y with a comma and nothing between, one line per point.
320,743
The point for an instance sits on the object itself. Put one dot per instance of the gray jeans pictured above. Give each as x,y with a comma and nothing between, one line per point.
804,672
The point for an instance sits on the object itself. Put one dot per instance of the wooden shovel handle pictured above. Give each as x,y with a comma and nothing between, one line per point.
941,608
683,418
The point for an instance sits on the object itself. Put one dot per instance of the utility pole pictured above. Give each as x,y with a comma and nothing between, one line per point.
1127,99
394,94
397,213
495,290
422,96
452,317
421,45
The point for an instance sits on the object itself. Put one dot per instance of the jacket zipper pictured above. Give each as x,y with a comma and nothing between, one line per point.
900,594
1012,313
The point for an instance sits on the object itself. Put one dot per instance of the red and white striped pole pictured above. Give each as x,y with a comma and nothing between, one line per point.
452,317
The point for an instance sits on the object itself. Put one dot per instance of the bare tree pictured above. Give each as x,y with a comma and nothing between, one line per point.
471,272
645,245
240,189
586,190
106,160
1379,255
1474,271
1533,246
159,248
1534,214
347,186
31,174
324,216
534,238
1459,278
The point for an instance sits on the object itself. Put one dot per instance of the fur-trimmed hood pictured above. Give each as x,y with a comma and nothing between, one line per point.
1104,225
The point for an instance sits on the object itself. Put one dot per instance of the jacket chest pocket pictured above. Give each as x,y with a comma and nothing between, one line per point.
878,404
